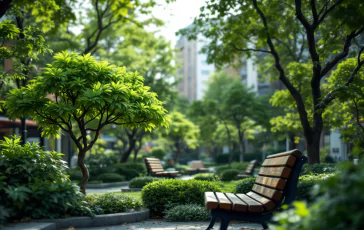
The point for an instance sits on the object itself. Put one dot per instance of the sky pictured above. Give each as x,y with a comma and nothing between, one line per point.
176,15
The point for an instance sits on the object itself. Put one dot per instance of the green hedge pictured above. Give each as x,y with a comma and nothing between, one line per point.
112,203
75,174
187,212
158,195
130,170
245,185
305,185
140,182
111,177
229,175
235,165
206,176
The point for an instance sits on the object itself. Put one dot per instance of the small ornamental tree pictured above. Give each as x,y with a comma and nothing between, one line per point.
75,90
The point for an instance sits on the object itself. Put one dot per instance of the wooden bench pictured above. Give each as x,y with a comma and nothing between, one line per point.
197,167
249,170
155,168
275,185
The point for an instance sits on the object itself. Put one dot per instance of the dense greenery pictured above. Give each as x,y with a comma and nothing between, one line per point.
319,168
339,205
159,195
187,212
33,183
110,177
206,176
107,203
85,90
235,165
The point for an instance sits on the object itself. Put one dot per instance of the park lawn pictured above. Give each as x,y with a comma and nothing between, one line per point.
229,186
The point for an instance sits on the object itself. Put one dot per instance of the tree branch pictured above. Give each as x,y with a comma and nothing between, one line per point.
343,54
357,114
248,49
327,11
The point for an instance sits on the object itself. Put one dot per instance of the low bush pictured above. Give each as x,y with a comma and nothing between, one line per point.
187,212
158,153
112,203
318,168
140,182
206,176
235,165
245,185
34,183
159,194
229,175
111,177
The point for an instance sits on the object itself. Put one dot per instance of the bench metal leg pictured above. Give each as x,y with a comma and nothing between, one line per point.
212,222
224,224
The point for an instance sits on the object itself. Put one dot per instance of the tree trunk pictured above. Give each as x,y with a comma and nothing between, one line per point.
229,144
313,147
85,174
291,139
125,156
241,146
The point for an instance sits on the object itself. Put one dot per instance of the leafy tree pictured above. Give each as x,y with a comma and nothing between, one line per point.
181,134
77,89
284,30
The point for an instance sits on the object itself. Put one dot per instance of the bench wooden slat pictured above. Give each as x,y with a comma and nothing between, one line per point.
276,183
253,206
224,202
268,192
238,205
282,172
267,203
211,201
280,161
295,153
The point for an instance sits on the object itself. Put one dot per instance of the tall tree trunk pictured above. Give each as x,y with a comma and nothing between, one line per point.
313,147
85,173
125,156
241,145
229,144
291,140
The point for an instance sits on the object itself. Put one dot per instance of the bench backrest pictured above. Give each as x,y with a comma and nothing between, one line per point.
278,176
250,169
153,165
197,165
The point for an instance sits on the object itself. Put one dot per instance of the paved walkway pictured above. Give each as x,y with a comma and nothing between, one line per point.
163,225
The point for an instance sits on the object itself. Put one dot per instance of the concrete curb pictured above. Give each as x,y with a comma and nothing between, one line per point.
101,220
30,226
107,185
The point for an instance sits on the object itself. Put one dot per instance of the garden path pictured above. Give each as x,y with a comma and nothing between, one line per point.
164,225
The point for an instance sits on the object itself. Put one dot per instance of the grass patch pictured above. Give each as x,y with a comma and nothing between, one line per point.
229,186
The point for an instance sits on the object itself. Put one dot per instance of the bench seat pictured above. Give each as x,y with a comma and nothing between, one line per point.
155,168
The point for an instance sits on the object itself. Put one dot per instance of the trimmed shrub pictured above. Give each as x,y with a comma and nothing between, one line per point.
206,176
229,175
245,185
112,203
111,177
140,182
235,165
187,212
158,153
158,194
318,168
34,183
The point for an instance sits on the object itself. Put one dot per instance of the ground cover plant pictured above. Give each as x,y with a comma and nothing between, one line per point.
187,212
108,203
140,182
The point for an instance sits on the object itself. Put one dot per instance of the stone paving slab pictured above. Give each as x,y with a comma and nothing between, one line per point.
164,225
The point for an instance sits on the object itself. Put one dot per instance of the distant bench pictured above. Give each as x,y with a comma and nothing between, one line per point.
197,167
249,170
275,185
155,168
